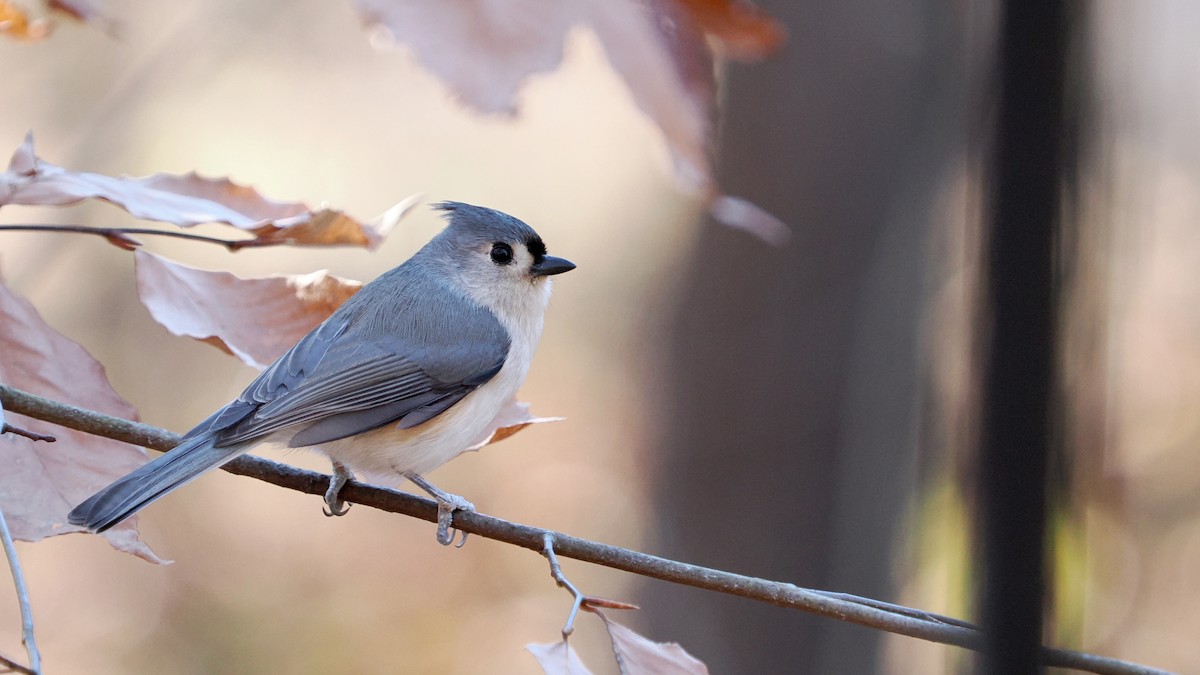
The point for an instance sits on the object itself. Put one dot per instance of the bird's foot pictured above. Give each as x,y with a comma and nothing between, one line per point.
447,505
334,504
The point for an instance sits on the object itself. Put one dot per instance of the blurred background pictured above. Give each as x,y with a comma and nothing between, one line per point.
802,413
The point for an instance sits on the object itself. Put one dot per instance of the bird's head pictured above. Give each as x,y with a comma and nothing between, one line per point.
501,261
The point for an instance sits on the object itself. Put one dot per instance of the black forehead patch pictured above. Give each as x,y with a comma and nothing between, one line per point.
536,247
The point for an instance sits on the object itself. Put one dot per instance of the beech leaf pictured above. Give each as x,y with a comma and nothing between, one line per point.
256,320
558,658
513,417
184,200
638,654
744,31
41,482
484,51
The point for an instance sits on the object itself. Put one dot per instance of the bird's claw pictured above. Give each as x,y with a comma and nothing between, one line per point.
447,505
335,508
334,504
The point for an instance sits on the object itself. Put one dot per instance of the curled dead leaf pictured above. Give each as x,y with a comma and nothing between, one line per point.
121,240
184,200
256,320
41,482
592,603
558,658
633,652
483,52
743,30
513,417
636,653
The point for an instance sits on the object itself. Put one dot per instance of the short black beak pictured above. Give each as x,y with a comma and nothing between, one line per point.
550,265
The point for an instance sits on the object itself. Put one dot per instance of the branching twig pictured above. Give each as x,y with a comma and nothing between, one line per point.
870,613
579,600
10,429
10,666
563,582
6,428
35,659
123,236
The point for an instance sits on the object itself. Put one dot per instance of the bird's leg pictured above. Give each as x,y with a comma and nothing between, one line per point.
447,505
334,505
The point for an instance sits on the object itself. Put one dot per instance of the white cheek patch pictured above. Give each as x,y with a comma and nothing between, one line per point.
523,259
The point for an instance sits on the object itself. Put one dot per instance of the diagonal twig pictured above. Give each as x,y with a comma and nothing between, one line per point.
10,551
870,613
7,665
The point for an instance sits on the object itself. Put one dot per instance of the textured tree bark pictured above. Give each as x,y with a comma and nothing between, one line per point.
795,372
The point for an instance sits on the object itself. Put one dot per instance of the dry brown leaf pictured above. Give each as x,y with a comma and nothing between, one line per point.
634,653
82,10
591,603
15,22
485,51
256,320
184,201
743,30
638,654
667,65
513,417
558,658
41,482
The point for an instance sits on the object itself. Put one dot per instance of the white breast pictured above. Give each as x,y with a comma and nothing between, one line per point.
388,450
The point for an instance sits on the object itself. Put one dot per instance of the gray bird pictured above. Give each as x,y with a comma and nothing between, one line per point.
400,379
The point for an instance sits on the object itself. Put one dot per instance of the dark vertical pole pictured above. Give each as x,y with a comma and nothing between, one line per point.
1019,391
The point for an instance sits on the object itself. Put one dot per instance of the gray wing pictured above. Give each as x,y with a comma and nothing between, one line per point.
402,350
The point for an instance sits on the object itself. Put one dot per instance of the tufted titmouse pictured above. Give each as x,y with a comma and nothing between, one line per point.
401,378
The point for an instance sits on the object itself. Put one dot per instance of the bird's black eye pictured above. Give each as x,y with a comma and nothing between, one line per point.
502,254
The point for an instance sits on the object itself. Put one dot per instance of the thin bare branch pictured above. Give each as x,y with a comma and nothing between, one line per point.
862,611
10,551
123,237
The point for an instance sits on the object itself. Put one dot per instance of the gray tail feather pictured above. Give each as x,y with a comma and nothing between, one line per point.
129,494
